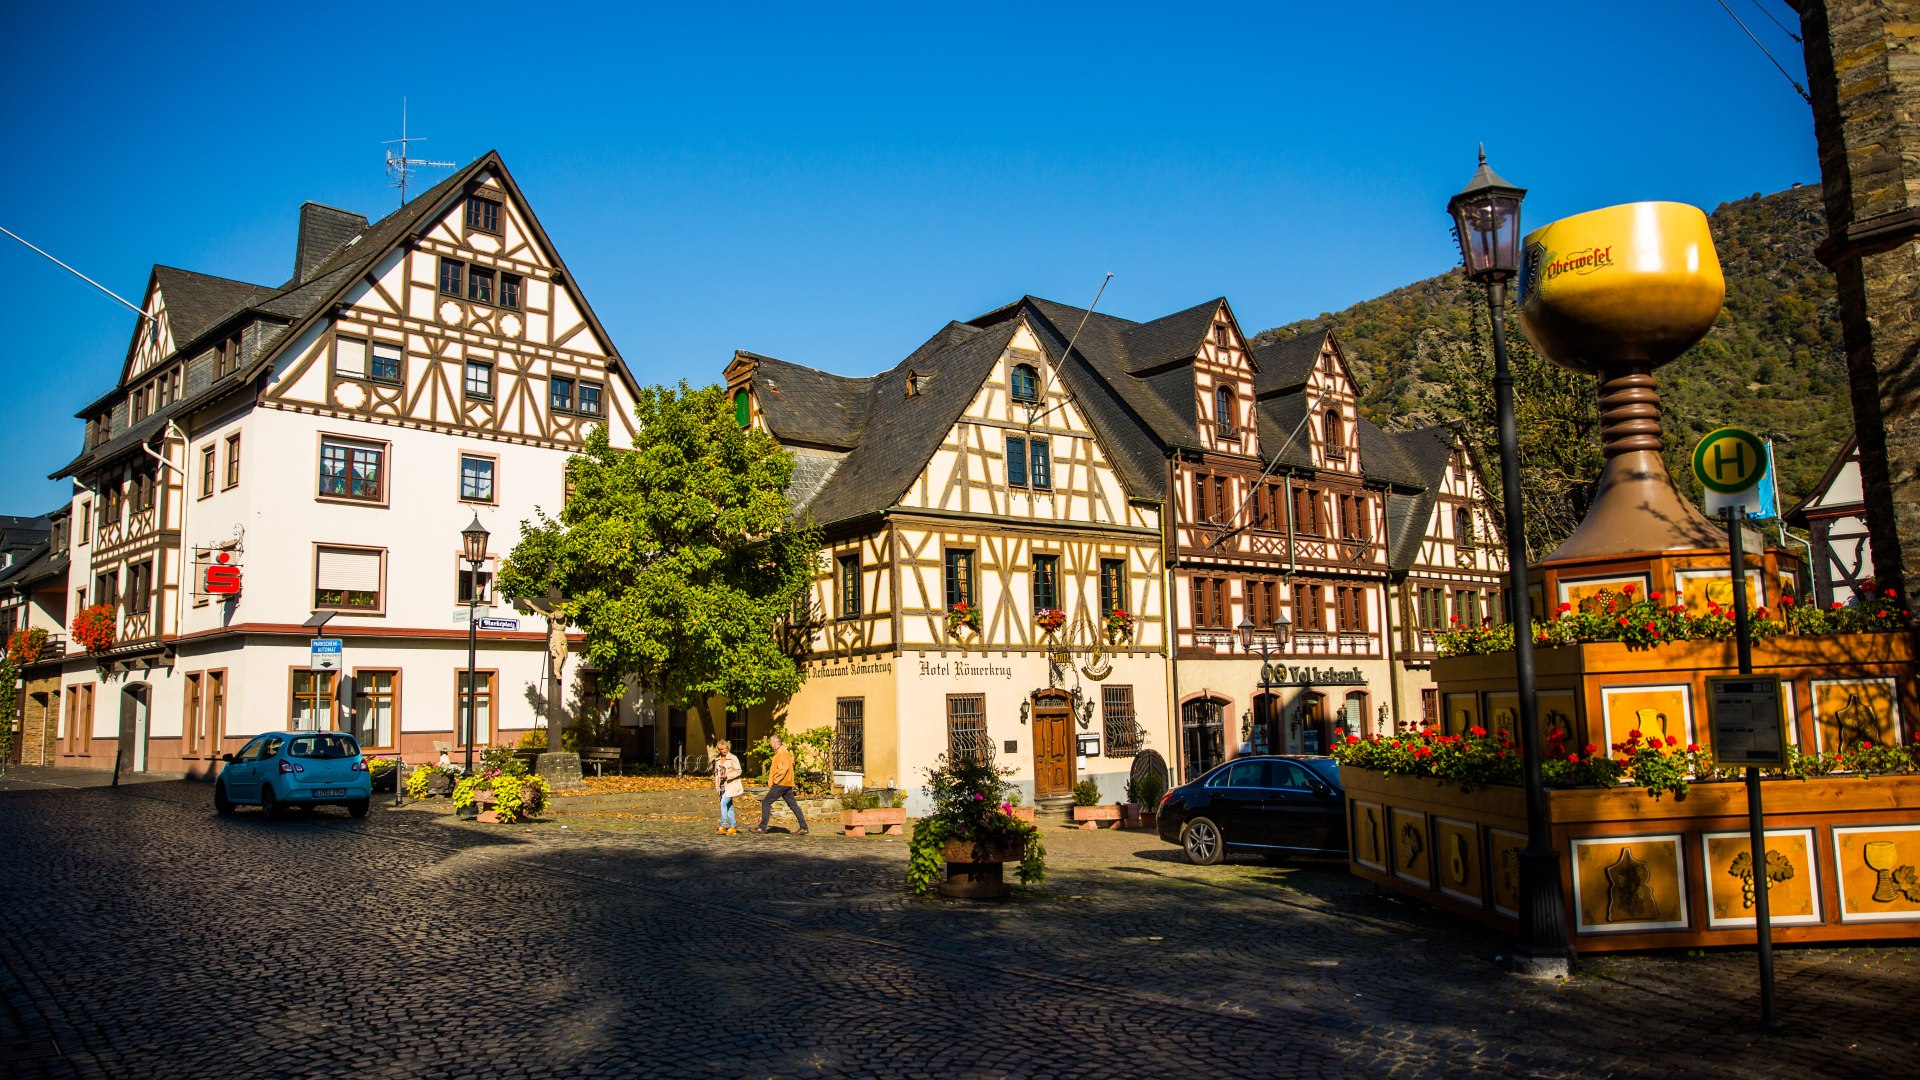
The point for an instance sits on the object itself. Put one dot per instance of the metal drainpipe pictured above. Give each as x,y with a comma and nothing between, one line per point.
1292,596
1169,549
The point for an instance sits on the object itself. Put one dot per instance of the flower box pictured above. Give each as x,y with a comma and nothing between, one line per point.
1137,816
1021,813
1641,873
1090,817
890,820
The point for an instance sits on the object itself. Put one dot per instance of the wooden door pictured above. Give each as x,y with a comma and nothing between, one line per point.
1053,750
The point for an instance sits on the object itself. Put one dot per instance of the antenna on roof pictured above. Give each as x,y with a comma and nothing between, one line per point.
400,167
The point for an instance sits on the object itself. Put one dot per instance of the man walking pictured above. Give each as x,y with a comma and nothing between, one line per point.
780,786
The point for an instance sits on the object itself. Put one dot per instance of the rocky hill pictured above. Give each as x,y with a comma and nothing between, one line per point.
1773,362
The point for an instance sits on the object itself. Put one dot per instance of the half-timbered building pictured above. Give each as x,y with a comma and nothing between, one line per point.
320,444
992,582
1835,516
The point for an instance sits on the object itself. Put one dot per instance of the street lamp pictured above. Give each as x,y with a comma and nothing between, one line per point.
1486,215
1280,628
473,542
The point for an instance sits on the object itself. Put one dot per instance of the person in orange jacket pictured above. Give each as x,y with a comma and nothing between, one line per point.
780,786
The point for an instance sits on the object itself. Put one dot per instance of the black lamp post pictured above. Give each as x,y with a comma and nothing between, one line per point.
473,541
1280,627
1486,215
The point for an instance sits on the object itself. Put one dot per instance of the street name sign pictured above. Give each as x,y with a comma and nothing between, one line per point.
324,654
499,624
1743,713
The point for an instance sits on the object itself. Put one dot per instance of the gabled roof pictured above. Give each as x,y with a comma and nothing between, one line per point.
1285,365
1421,458
196,302
1849,450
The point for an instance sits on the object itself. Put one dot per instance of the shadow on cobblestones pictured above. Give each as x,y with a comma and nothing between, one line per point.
146,937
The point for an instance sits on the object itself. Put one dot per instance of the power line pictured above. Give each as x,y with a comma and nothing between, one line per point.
153,325
1801,90
1777,22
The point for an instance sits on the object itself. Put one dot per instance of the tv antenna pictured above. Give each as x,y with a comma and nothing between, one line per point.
400,166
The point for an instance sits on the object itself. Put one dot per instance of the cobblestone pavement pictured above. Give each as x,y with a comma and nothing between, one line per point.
140,935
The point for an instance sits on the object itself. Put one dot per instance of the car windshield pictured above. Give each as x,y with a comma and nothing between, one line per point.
323,746
1328,768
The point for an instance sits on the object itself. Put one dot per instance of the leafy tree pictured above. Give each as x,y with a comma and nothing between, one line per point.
678,558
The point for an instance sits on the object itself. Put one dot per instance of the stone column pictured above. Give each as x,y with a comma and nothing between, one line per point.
1863,73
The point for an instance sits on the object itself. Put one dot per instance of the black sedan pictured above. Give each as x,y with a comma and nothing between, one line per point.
1269,804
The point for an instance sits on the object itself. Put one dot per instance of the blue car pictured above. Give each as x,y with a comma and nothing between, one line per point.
295,768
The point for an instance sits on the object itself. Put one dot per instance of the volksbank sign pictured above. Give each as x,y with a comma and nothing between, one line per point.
1286,675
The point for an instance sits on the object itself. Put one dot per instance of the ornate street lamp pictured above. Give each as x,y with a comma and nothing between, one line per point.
1280,628
1486,215
473,542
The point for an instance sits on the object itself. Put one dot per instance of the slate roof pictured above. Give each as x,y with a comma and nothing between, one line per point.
808,406
197,302
1285,365
1423,454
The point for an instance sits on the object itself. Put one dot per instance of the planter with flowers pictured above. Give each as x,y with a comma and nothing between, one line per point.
499,796
1050,620
1087,808
1118,626
25,646
94,629
962,616
960,847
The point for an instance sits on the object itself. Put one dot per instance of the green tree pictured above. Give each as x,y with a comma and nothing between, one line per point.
678,558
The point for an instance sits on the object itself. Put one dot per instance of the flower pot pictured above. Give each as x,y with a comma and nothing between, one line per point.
1090,817
890,820
974,871
439,784
1021,813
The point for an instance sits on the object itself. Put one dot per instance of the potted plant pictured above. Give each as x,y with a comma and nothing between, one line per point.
94,628
861,808
1087,809
1142,808
1013,807
963,615
383,772
501,793
1117,626
1050,620
960,847
25,646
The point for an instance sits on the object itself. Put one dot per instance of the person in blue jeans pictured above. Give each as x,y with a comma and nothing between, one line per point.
726,779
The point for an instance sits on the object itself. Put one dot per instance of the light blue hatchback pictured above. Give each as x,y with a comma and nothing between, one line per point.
295,768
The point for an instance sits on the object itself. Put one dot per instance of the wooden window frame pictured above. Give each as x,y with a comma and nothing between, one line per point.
513,291
1040,464
1032,375
847,567
366,357
399,376
331,696
1333,431
1113,597
463,573
492,691
466,380
384,449
207,472
84,532
483,284
580,387
492,497
454,271
1463,530
1052,584
555,403
970,580
1226,409
233,459
393,696
1201,498
140,587
313,581
190,712
1310,602
477,209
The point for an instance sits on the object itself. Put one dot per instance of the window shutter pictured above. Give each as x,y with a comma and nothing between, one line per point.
348,571
350,357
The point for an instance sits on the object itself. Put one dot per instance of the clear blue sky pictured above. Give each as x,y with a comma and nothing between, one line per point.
830,184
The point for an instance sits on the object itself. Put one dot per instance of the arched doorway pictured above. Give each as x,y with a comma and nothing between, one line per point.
1202,731
134,715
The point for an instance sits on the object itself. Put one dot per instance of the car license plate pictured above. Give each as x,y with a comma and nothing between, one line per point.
326,791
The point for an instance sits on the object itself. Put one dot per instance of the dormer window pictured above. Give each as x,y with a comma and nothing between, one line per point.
1222,334
483,214
1336,437
1026,383
1225,409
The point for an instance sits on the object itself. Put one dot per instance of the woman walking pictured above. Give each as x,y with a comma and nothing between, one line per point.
726,779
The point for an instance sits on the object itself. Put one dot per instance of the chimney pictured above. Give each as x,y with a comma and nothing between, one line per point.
323,230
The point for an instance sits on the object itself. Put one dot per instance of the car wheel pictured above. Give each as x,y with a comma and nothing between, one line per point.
1202,842
358,808
269,804
221,804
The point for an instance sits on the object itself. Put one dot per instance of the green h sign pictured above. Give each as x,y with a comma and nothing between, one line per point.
1729,460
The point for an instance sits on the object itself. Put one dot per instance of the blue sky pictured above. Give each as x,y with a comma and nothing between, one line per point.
832,183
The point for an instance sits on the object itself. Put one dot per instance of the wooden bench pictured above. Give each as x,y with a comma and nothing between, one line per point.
600,757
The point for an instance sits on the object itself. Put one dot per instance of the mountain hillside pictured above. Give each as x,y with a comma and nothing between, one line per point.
1773,362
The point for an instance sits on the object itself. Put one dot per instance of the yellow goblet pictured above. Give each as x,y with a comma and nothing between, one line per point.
1882,859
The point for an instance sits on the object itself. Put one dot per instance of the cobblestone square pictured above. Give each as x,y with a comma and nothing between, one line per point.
146,937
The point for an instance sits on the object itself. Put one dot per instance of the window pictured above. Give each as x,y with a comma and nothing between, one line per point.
1466,606
206,471
143,485
1029,462
1220,499
474,586
560,394
1025,383
374,702
226,359
1046,578
1306,511
510,290
1225,412
386,363
1350,604
1263,605
589,399
480,285
1116,715
849,586
348,579
1040,459
106,588
140,588
351,470
481,707
1201,512
1356,518
482,214
86,525
850,735
1222,334
742,408
967,728
1431,607
479,383
233,459
349,358
1210,602
1336,440
959,576
453,277
110,502
310,701
1311,600
1016,461
1113,586
1463,528
476,478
